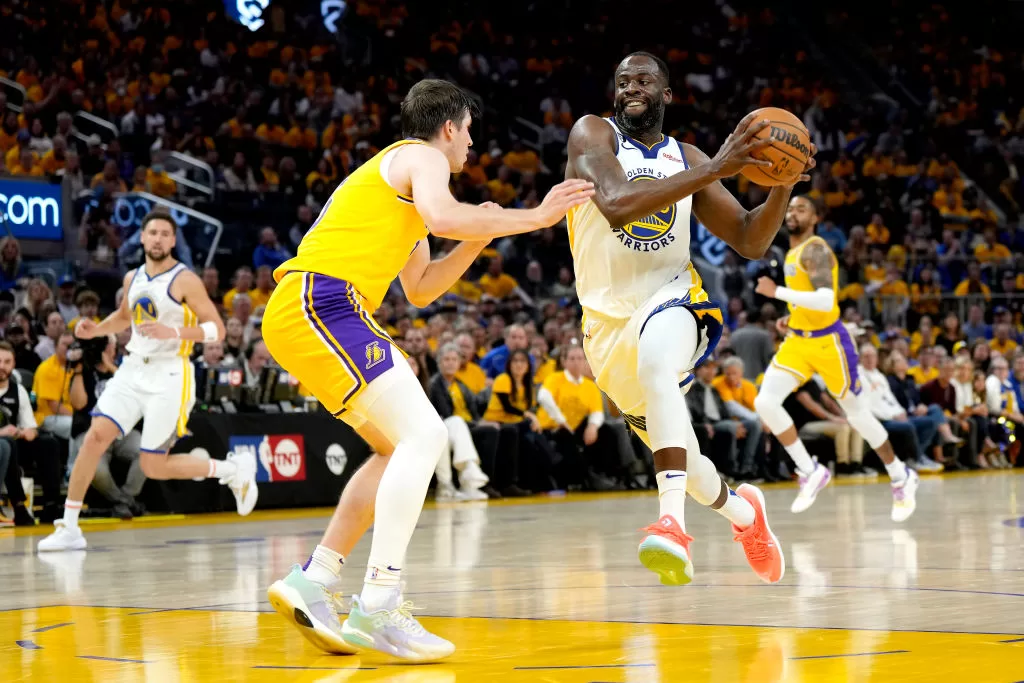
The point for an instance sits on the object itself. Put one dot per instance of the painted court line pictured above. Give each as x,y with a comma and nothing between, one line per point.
854,654
115,659
317,668
28,645
1015,640
581,666
44,629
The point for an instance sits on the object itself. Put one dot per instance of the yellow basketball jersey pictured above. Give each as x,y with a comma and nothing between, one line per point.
364,234
797,279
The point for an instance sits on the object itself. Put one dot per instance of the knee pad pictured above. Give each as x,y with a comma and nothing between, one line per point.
863,421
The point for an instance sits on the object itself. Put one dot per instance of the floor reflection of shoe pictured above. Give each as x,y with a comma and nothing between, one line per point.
764,554
491,492
312,609
810,487
394,632
665,550
514,491
473,494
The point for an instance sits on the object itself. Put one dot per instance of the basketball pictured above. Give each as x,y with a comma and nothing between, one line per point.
789,151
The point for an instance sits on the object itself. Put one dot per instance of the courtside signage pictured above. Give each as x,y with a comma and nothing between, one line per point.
32,210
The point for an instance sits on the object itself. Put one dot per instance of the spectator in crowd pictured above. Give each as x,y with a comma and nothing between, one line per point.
925,370
19,429
975,327
981,354
234,339
469,372
211,282
21,439
1002,403
716,433
495,361
971,412
950,334
915,433
754,344
738,394
11,267
88,377
88,304
260,294
52,331
939,396
52,385
269,253
815,415
239,176
38,296
513,401
572,415
467,436
415,344
25,358
66,298
1001,341
256,358
565,288
242,284
499,284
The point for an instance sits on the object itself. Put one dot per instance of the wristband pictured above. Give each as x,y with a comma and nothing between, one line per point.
209,331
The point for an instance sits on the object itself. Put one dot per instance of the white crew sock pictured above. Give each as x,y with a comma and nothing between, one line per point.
897,471
324,566
71,510
801,458
737,510
221,469
672,494
381,588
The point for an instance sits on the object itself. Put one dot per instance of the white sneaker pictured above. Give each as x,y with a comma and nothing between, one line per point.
63,538
243,482
904,497
473,494
449,494
810,487
395,632
312,609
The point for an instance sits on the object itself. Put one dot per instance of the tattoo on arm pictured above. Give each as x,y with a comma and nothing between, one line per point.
817,260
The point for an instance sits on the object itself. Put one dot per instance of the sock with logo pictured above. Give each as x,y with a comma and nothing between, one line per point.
71,510
672,494
381,588
735,509
221,469
323,566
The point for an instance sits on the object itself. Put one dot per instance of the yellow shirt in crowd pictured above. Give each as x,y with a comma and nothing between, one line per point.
744,395
498,287
473,376
52,382
576,400
922,376
496,412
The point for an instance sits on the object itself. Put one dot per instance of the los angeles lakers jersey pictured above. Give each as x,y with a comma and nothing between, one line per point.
804,319
619,269
150,300
364,234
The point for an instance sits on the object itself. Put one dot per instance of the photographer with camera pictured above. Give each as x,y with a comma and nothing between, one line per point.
88,379
21,442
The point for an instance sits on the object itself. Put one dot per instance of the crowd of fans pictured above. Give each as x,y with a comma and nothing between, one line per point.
930,272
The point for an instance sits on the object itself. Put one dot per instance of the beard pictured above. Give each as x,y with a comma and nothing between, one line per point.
156,256
4,376
638,124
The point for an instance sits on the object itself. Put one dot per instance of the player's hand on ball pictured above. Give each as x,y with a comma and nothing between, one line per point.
562,197
766,286
811,163
85,329
154,330
739,148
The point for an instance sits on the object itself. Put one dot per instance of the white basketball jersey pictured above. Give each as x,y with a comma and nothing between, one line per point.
149,299
619,269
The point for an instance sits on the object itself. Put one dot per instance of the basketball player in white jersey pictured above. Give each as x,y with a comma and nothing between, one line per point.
168,309
647,321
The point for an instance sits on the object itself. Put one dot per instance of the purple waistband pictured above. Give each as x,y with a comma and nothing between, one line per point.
810,334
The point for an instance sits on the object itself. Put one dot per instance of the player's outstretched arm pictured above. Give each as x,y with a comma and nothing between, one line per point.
817,260
189,289
592,157
750,233
115,322
424,280
428,173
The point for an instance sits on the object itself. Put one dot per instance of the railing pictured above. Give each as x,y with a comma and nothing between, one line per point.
87,125
527,132
14,92
896,309
191,174
201,232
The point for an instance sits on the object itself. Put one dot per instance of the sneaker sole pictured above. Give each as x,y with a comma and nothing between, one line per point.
764,515
287,602
246,506
668,560
796,511
75,546
913,509
361,640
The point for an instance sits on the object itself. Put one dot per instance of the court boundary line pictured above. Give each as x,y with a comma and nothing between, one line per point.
852,654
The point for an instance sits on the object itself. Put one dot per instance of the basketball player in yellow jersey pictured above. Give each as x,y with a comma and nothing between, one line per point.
817,342
318,325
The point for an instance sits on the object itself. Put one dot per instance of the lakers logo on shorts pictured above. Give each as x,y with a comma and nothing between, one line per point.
374,354
655,226
144,310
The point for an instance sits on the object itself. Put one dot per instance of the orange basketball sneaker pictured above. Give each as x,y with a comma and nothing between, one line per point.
666,551
764,554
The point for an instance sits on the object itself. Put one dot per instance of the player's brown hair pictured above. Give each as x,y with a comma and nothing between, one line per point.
430,104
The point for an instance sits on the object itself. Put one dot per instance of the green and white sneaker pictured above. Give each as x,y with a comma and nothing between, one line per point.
312,608
394,632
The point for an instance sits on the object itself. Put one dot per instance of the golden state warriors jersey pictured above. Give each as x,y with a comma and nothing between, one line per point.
364,234
150,300
619,269
797,279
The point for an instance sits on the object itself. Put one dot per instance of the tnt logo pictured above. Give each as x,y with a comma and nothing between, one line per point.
279,457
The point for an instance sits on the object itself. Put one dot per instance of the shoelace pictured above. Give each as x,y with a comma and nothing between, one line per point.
334,601
756,545
402,618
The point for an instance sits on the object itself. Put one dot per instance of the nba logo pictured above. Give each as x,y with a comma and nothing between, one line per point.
279,457
374,355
